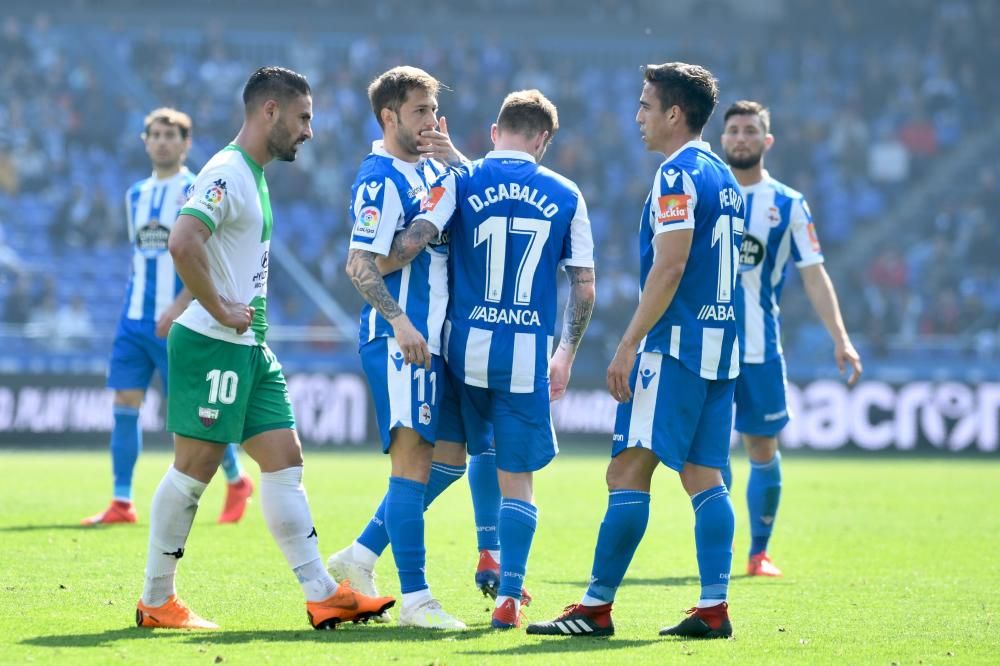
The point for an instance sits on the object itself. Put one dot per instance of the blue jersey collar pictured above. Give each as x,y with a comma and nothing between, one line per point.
701,145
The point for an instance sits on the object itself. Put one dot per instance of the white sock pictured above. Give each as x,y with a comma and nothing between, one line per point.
592,601
708,603
495,554
411,599
286,512
363,555
316,582
170,518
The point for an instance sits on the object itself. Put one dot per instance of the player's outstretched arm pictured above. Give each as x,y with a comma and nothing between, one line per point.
187,247
576,318
406,245
672,250
367,279
822,295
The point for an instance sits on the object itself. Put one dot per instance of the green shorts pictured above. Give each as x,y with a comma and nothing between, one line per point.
221,391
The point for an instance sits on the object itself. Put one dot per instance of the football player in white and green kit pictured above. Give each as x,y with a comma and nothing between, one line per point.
225,384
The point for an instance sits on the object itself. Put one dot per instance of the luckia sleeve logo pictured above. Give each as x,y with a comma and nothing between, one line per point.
673,208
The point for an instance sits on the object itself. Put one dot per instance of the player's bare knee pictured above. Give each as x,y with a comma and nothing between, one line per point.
696,478
196,458
449,453
631,470
760,448
410,455
516,485
274,450
129,398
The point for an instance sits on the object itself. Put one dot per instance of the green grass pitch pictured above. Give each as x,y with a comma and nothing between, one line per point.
887,561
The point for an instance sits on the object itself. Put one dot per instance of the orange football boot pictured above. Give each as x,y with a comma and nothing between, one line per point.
237,496
172,615
761,565
345,605
120,511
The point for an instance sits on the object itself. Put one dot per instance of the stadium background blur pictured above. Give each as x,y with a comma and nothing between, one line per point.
883,114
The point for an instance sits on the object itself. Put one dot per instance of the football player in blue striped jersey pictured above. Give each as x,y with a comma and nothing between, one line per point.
675,369
400,335
778,227
512,225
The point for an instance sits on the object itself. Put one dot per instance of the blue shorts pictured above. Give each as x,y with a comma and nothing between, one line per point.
462,426
521,422
135,354
761,408
405,395
676,414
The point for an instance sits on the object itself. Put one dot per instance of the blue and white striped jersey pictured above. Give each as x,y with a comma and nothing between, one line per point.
778,226
386,196
151,206
694,189
511,225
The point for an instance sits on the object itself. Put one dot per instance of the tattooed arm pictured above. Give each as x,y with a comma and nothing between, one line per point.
580,306
582,292
368,281
406,245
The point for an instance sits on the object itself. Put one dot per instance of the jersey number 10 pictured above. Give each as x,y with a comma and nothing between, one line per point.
493,231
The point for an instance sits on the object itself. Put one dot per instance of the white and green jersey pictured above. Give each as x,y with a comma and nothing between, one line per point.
230,196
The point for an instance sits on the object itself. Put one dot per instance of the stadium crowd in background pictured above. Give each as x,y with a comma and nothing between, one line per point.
862,130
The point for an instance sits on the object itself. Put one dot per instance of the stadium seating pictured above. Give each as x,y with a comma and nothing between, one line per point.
858,131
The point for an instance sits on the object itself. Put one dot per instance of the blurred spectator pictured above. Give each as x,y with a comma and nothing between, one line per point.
73,324
17,306
888,160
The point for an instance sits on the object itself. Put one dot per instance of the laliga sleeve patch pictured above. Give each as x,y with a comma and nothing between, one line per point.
673,208
214,195
432,200
367,223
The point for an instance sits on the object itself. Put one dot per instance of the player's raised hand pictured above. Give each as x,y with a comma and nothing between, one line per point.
845,353
618,373
437,144
235,315
411,342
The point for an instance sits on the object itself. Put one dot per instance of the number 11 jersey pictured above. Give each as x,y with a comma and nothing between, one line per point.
694,189
511,225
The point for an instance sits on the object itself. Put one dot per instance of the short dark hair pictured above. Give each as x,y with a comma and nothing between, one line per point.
528,112
168,116
389,89
745,107
691,87
278,83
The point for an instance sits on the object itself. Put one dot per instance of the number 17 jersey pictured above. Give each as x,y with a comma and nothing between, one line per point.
511,225
694,189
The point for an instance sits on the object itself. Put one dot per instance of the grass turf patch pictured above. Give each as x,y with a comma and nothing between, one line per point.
886,561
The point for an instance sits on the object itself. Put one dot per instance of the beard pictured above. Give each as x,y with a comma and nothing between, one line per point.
745,161
281,144
407,141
